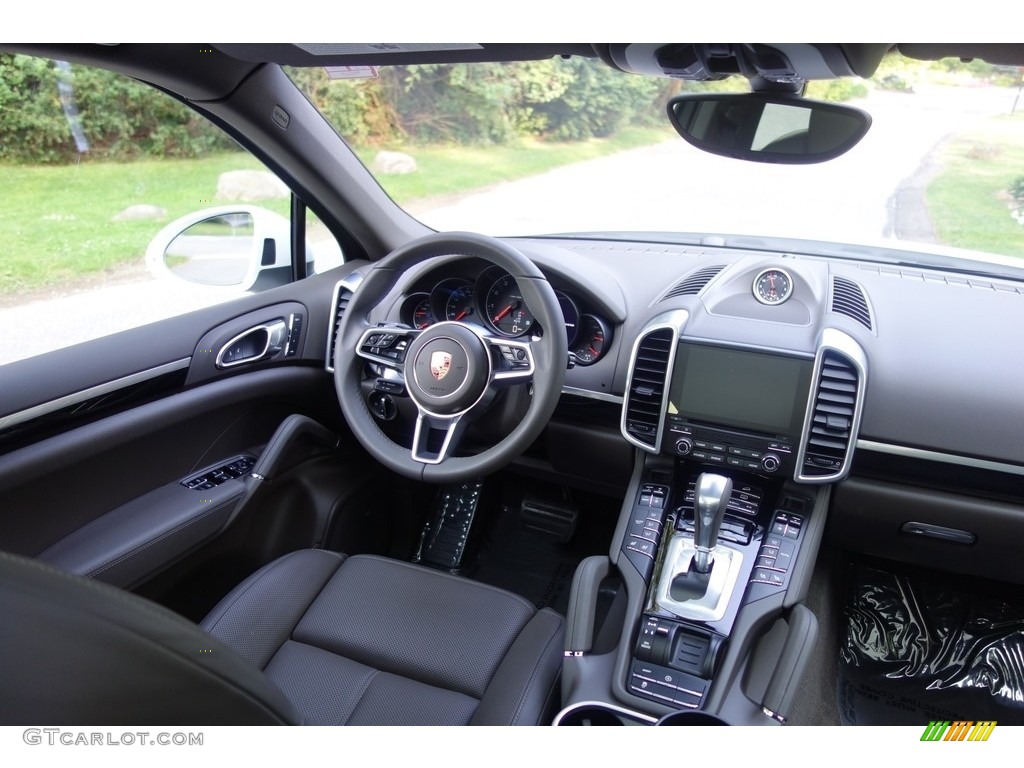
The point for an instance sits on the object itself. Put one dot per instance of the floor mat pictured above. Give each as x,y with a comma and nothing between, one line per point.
919,646
534,564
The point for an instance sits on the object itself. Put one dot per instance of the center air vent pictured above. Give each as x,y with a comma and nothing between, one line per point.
694,283
642,411
342,296
848,299
831,431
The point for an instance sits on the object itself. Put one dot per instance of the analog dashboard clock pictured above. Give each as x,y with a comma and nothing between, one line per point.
773,286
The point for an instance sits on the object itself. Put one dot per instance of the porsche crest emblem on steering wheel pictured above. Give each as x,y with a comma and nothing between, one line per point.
440,364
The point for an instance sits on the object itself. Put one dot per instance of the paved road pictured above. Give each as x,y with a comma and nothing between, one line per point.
669,186
675,187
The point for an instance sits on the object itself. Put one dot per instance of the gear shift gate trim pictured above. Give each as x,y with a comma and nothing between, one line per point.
713,604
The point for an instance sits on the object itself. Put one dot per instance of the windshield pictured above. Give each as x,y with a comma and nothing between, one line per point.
574,146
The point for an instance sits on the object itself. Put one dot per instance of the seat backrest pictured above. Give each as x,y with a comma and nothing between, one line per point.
77,652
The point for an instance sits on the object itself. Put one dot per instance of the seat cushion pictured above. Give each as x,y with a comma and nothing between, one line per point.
368,640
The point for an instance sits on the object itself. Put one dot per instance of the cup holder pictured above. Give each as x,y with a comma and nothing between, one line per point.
690,718
599,713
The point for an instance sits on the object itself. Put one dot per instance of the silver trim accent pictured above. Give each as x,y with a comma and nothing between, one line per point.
836,341
349,283
674,320
785,297
724,575
945,458
519,373
449,432
272,329
86,394
604,705
608,398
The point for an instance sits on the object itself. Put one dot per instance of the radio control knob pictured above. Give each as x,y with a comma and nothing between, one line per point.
683,446
770,462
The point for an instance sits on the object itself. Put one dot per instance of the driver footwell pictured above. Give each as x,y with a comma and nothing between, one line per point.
523,536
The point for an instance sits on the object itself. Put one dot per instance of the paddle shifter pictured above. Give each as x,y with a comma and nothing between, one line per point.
711,497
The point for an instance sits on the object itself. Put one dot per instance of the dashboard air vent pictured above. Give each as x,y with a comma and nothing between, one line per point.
693,283
647,386
848,299
342,296
830,436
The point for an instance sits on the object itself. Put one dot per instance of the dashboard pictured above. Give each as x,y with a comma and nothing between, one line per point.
931,342
894,384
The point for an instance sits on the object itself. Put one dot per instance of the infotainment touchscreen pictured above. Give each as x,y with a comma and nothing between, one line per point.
740,388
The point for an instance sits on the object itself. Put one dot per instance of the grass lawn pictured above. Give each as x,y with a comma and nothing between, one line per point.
968,200
56,222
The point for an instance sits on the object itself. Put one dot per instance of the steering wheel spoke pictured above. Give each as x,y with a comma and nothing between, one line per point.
513,360
386,345
436,437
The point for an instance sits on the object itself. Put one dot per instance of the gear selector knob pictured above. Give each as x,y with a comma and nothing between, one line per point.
710,500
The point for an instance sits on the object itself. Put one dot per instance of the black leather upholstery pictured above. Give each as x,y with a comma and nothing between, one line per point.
314,637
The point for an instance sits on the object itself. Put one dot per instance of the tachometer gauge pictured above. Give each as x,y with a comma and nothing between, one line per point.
773,286
592,341
506,311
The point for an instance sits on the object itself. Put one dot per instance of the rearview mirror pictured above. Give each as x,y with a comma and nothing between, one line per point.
767,128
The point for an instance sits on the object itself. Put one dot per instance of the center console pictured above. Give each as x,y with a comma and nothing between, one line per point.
719,531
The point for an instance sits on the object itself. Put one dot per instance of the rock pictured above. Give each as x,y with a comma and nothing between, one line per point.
394,163
141,213
246,186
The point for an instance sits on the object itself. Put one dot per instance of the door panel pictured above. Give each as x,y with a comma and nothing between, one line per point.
95,439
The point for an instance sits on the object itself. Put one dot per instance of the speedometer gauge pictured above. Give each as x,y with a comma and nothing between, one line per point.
505,308
773,286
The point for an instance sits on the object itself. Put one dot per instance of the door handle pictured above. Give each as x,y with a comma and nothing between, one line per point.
259,343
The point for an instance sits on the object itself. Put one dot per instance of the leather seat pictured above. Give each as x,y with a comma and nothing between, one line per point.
314,637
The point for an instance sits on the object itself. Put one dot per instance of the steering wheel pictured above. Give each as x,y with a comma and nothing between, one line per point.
449,369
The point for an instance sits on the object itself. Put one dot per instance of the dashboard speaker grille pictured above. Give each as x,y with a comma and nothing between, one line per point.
832,420
848,299
693,283
647,385
342,298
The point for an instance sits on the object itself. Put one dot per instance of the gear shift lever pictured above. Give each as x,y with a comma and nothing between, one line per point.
712,496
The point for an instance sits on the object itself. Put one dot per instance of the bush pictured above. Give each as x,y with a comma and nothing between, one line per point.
842,89
119,117
483,103
1017,190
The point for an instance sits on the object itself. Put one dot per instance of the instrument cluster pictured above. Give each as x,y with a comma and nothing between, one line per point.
492,299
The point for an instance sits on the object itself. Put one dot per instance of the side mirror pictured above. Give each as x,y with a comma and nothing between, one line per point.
240,246
768,128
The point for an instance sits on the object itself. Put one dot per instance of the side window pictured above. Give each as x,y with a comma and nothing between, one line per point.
122,206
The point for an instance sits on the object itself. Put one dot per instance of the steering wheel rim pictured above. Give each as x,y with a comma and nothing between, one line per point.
547,355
